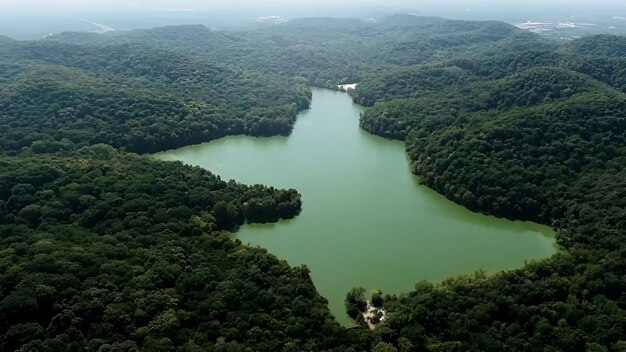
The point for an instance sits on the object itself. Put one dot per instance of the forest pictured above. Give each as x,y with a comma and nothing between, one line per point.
539,135
104,249
135,97
108,251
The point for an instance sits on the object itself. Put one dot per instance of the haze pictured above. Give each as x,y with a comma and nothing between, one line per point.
9,7
31,19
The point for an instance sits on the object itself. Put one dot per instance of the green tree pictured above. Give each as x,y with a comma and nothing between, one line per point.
355,302
377,298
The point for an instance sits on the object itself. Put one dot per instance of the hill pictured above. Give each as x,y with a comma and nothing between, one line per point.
598,45
302,47
536,135
105,250
136,97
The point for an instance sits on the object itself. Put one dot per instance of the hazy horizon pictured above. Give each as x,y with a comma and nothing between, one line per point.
31,19
82,6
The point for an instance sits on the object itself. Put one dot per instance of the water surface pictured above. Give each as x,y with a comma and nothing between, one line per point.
365,219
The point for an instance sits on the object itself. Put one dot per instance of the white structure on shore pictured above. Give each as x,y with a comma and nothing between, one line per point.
347,87
373,315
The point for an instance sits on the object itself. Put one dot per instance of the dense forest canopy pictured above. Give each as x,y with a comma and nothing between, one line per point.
109,251
105,250
322,50
535,135
135,97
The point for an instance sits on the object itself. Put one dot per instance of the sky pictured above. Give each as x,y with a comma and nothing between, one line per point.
23,7
31,19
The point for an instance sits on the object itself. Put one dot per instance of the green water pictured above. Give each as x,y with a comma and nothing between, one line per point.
365,219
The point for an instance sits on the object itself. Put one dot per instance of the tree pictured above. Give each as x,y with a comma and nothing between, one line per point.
384,347
377,298
355,302
31,215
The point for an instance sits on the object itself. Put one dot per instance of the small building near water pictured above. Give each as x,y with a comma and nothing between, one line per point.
373,315
347,87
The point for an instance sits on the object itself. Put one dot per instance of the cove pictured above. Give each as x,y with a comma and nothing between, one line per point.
365,221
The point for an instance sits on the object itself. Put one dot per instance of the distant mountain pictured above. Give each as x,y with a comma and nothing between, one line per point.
301,47
598,45
184,99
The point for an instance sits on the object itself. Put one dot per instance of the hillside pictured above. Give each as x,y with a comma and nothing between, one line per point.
324,51
598,45
530,136
136,97
105,250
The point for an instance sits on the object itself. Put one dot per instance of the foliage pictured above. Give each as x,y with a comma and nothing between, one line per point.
324,51
136,97
107,249
355,302
377,298
536,135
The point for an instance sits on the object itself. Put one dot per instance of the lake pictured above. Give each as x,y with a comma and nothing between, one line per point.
365,221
